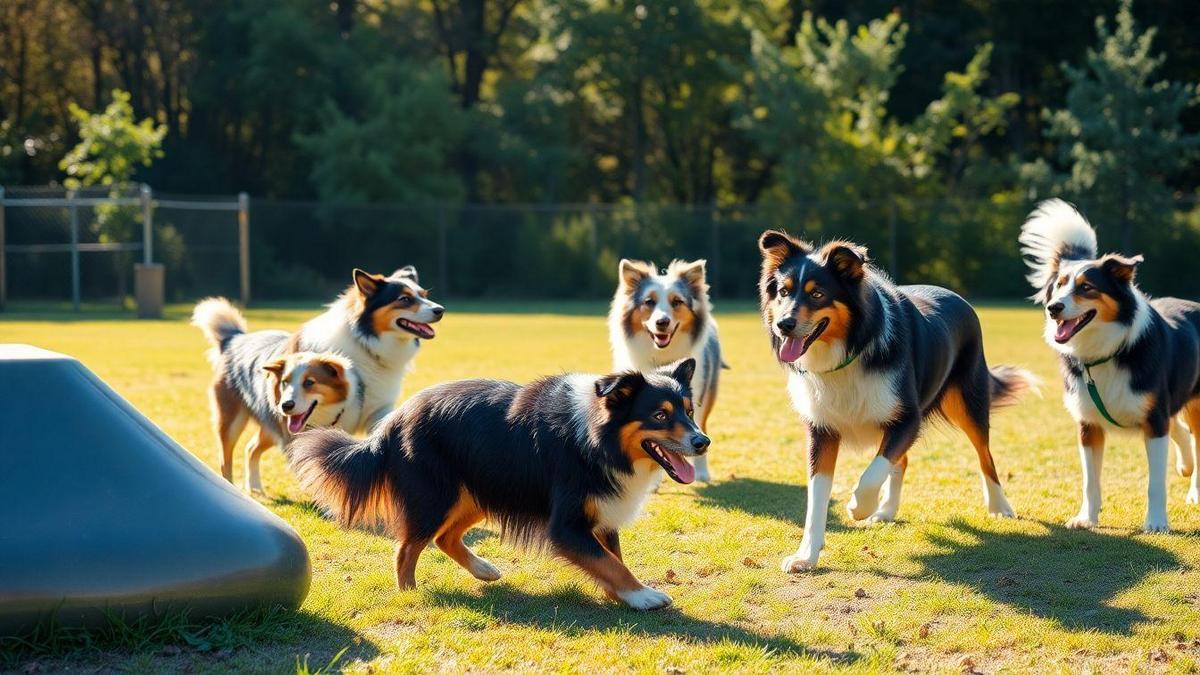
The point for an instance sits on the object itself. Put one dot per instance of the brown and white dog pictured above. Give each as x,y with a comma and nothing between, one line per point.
659,319
375,325
1129,364
868,362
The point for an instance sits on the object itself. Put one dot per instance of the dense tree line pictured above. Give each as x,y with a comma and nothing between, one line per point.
947,116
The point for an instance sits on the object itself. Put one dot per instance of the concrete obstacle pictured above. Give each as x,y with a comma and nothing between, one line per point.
105,514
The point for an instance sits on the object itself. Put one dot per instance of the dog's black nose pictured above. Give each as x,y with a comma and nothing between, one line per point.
786,325
1055,309
438,311
288,406
663,322
700,443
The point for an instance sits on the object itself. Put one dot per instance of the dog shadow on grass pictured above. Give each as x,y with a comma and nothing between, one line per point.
1068,576
573,612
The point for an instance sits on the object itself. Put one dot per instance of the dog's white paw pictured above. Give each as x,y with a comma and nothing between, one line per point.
702,475
1184,468
803,560
1193,495
863,503
483,570
882,516
1002,511
1081,522
645,598
1156,523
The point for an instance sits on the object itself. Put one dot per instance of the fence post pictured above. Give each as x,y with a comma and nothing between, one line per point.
74,214
3,270
593,250
894,242
147,226
443,252
244,246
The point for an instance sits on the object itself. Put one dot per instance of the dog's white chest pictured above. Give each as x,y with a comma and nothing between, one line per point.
853,403
614,513
1120,400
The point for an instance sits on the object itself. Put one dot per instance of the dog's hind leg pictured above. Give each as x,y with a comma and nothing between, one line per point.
229,418
970,412
465,514
1184,462
408,552
260,444
1192,410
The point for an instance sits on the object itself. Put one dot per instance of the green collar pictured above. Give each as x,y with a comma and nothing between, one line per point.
849,359
1094,392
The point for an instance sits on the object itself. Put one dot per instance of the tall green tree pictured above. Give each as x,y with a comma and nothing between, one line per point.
1120,139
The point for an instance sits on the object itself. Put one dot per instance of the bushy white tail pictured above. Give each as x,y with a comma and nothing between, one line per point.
218,320
1054,232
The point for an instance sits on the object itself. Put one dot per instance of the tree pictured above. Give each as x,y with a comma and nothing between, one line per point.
1120,139
112,146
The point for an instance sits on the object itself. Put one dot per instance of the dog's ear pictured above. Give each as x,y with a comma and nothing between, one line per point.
618,388
693,274
407,272
332,367
683,372
632,272
846,260
275,366
1121,268
776,246
366,283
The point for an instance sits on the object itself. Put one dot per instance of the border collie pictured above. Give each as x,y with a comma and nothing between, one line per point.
1128,363
657,319
257,378
565,461
377,323
868,362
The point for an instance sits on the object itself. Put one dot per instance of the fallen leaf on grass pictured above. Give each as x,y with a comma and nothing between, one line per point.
924,631
751,563
860,593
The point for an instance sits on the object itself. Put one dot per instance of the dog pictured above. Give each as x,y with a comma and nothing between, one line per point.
1129,363
564,461
377,324
869,363
658,319
256,377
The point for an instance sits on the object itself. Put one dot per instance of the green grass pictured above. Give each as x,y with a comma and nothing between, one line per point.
942,589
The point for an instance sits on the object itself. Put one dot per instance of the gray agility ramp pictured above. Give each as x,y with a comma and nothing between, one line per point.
104,513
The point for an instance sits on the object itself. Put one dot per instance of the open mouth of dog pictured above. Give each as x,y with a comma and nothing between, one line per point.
795,347
1069,327
672,462
421,330
295,423
663,340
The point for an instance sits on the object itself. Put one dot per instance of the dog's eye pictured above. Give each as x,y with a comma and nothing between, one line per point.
691,413
649,302
661,415
404,301
676,302
783,292
1084,287
309,382
816,294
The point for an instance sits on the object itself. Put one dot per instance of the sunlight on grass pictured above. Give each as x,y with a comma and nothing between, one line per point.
944,584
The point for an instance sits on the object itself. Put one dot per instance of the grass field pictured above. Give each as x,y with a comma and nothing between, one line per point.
943,589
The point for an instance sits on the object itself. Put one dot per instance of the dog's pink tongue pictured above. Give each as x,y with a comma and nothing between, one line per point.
791,349
684,472
1063,332
295,423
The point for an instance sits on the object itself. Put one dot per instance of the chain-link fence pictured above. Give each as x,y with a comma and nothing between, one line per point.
306,250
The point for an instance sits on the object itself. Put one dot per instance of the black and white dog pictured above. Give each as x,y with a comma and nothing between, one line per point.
868,362
657,319
566,460
1128,363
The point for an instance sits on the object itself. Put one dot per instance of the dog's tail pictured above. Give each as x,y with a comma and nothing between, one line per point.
348,476
1054,232
219,321
1009,382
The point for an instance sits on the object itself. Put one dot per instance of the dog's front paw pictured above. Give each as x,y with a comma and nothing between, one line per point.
1156,523
882,516
1183,467
1002,510
1081,522
1193,496
803,560
645,598
863,503
483,570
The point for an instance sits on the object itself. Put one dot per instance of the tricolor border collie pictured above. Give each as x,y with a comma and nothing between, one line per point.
377,324
657,319
564,461
1128,363
868,362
